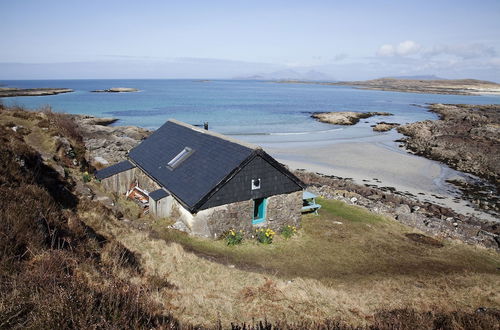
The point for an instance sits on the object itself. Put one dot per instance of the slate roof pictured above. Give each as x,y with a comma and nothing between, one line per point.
158,194
114,169
214,157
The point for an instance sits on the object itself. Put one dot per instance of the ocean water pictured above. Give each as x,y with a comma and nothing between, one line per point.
256,111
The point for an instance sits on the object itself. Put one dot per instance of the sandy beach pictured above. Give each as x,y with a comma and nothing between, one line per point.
381,163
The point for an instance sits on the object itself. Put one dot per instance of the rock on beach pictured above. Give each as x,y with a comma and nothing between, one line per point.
345,117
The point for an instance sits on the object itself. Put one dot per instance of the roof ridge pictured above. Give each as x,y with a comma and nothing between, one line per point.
215,134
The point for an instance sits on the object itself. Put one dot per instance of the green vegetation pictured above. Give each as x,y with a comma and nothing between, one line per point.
288,231
233,237
264,235
344,243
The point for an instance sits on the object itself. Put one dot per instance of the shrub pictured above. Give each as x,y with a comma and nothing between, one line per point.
234,237
43,123
86,177
64,124
288,231
264,236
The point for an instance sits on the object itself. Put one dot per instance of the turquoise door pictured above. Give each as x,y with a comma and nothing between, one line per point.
259,210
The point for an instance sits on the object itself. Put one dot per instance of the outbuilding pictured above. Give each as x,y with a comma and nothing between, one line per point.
210,182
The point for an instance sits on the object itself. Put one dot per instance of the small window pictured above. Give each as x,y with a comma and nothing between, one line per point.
181,156
255,184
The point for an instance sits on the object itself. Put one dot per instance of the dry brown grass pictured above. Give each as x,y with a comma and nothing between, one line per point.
353,290
53,269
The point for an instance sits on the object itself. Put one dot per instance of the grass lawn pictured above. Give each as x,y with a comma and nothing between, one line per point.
343,244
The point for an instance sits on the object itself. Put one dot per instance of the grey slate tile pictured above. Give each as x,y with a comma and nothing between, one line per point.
114,169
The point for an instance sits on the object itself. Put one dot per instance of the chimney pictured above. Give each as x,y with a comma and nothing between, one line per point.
205,125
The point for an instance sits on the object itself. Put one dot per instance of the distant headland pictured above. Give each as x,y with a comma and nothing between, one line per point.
424,86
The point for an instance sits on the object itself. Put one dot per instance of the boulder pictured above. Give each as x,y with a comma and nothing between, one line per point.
402,209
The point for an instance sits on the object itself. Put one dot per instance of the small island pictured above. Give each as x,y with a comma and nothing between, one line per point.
116,90
13,92
345,117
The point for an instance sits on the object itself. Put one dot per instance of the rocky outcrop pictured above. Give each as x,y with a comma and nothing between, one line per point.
345,117
116,90
466,137
12,92
430,218
384,127
108,144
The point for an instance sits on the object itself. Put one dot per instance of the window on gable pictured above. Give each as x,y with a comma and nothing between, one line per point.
181,156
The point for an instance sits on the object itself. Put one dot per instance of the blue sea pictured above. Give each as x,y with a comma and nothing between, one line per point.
255,110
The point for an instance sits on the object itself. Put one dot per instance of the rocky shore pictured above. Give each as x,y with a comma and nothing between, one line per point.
384,127
12,92
116,90
345,117
467,138
430,218
108,144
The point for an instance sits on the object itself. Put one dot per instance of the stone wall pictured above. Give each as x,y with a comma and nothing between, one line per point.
237,216
284,209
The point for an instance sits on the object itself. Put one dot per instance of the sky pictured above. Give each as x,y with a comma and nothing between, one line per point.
338,40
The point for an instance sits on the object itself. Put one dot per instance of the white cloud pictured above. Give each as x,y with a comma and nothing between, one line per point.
404,48
408,47
386,50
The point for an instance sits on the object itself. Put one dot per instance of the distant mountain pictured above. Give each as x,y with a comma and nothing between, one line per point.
421,77
288,74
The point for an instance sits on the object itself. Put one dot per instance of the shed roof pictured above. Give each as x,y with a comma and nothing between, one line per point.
213,157
114,169
158,194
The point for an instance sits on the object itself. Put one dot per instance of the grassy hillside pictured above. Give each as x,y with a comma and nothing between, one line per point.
347,243
67,261
55,272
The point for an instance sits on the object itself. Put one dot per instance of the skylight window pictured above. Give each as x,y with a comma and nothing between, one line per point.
181,156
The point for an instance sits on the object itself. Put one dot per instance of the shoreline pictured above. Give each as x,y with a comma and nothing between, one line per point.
378,165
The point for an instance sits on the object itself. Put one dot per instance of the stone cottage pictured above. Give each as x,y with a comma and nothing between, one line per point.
210,182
